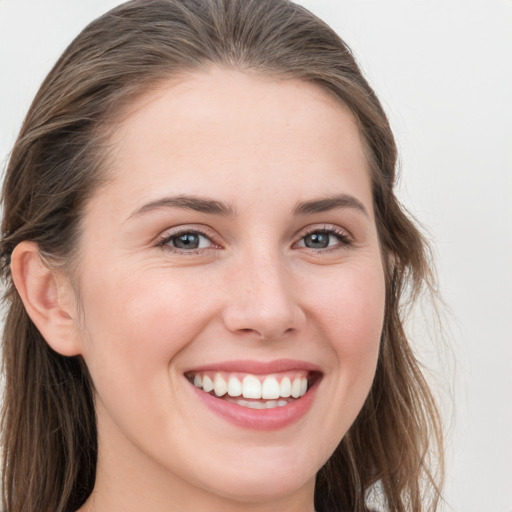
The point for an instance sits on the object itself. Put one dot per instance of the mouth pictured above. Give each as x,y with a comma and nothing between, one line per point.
257,395
265,391
255,390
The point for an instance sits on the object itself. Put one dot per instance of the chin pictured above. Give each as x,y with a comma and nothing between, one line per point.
268,478
260,488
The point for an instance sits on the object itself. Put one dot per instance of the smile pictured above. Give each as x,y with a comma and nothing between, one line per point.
257,395
254,391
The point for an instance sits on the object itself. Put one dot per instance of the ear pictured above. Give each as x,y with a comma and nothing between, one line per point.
48,298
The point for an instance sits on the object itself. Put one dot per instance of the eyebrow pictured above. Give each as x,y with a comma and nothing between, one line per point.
197,204
336,202
214,207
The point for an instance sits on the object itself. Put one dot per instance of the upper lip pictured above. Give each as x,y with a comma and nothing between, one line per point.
257,367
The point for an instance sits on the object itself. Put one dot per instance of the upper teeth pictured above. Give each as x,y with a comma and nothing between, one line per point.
251,386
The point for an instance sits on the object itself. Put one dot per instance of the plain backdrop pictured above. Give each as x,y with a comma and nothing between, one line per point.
443,70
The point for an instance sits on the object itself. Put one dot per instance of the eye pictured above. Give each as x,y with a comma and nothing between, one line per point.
324,239
186,241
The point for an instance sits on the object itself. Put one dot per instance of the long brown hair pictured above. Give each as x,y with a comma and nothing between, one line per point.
394,448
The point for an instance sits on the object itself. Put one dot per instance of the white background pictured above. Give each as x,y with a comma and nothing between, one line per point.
443,69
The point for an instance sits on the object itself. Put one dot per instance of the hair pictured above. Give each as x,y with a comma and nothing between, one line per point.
49,440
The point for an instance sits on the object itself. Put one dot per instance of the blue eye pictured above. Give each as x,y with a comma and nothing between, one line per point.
317,240
186,241
323,239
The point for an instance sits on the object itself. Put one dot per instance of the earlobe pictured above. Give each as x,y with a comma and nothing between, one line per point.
47,297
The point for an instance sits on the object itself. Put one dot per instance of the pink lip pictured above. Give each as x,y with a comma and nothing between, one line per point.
259,419
257,367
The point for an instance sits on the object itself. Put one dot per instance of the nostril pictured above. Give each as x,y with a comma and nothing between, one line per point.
265,334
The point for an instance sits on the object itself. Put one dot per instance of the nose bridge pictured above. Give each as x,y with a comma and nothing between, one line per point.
262,298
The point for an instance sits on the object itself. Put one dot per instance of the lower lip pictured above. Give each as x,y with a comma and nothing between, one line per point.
259,419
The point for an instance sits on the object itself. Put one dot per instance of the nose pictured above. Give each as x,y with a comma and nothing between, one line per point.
263,299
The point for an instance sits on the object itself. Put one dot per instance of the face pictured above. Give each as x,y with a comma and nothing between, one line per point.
231,288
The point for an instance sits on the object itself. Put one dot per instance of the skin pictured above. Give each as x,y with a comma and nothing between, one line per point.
253,290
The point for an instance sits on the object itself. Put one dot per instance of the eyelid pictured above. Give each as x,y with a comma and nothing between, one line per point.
167,235
346,237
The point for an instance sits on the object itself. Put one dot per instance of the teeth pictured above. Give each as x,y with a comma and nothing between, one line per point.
207,384
234,386
286,388
270,404
270,388
219,385
303,386
296,385
252,387
256,405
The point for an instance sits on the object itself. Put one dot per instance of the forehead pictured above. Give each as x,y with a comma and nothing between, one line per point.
238,131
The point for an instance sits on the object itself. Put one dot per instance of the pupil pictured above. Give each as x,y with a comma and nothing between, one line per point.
317,240
186,241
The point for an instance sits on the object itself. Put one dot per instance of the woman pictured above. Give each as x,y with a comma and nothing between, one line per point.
206,270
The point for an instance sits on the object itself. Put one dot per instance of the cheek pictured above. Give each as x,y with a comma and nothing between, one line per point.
348,307
134,324
352,315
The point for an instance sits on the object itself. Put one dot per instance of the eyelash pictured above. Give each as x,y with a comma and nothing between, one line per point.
344,240
166,239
